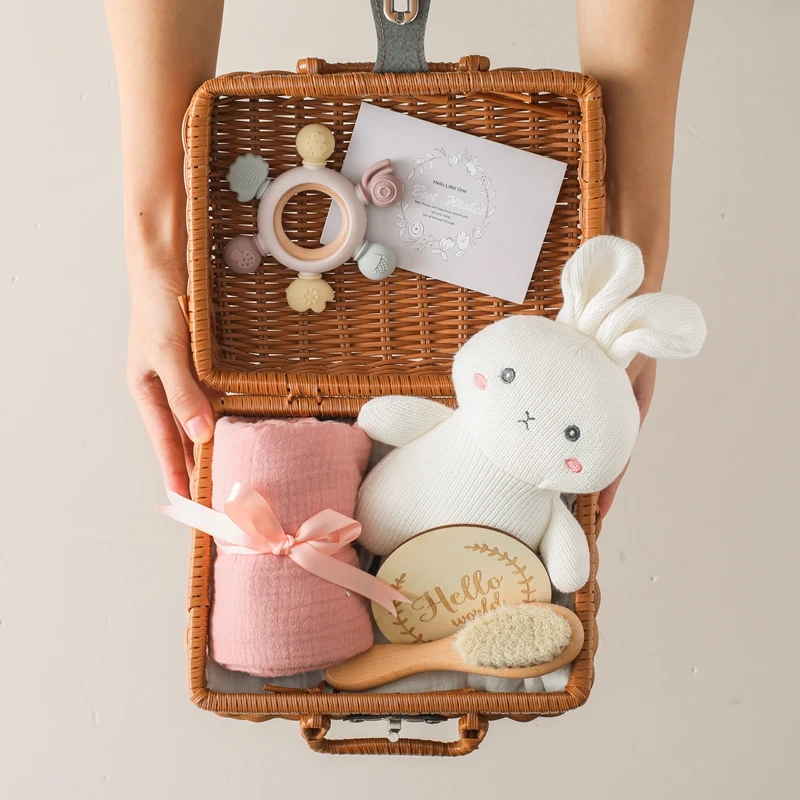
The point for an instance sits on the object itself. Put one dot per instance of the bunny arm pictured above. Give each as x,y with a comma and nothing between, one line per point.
398,420
564,549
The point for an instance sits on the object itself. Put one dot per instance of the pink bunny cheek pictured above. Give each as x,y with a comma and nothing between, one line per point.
480,381
573,465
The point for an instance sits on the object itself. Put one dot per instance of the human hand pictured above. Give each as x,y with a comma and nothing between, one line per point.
642,372
174,407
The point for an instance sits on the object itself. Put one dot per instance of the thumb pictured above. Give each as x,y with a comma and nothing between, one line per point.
608,494
186,399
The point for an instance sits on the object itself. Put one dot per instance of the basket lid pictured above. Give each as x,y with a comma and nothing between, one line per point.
397,336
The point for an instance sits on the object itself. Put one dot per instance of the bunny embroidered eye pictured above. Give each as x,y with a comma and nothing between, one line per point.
508,375
572,433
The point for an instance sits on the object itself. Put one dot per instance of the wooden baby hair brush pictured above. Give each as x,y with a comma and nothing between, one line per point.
521,641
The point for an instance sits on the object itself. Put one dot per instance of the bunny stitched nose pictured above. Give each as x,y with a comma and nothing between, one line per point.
526,420
573,465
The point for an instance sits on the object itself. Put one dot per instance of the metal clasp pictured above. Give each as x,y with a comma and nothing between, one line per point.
401,12
395,723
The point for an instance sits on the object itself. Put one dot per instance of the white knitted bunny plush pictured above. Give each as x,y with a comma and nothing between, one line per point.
544,407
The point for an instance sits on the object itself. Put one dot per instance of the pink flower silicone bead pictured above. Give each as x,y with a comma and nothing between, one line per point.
379,185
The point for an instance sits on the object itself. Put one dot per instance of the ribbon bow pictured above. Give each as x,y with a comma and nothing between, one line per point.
249,527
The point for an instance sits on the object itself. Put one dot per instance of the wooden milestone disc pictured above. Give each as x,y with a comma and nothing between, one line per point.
451,575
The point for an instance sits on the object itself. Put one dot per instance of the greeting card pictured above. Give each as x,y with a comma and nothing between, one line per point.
473,212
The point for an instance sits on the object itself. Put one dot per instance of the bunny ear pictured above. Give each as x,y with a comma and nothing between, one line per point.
597,284
602,273
658,325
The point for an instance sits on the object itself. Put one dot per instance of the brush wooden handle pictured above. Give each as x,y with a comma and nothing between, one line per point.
384,663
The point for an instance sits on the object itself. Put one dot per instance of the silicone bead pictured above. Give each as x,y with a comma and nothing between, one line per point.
376,260
308,293
379,185
247,176
242,255
315,144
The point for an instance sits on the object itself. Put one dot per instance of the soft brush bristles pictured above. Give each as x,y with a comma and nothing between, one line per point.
514,636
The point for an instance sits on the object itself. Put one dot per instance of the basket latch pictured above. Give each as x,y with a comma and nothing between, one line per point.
471,729
400,27
395,724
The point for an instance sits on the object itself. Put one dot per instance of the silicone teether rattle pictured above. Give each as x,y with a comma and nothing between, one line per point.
248,177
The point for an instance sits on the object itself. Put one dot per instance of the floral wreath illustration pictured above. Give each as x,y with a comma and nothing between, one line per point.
414,231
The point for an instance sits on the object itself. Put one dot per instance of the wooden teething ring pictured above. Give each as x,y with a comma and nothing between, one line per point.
311,261
310,253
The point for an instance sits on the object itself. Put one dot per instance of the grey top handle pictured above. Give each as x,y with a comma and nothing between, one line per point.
400,27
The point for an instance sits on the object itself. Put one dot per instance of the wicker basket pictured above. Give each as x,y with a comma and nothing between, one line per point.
393,337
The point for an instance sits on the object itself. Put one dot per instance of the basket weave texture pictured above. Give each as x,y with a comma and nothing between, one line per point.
393,337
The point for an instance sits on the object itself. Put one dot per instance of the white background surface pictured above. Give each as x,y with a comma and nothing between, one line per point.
696,693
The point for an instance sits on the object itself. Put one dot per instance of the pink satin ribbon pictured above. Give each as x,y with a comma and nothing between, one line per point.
249,527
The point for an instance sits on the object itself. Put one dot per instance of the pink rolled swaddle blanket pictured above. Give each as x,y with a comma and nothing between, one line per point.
269,616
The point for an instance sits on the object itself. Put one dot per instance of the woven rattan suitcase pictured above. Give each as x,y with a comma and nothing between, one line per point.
376,338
